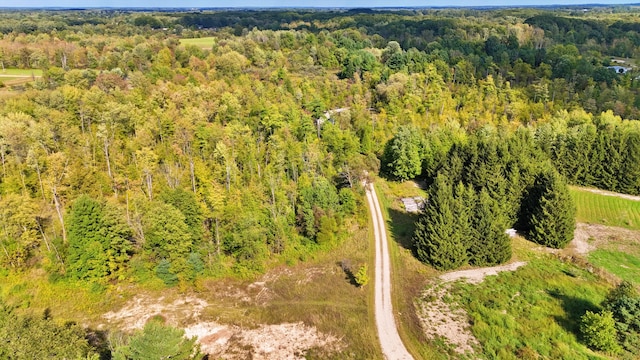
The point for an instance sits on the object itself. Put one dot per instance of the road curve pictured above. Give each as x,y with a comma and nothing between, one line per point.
392,346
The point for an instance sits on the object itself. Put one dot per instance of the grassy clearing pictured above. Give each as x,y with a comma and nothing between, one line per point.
533,312
606,210
21,72
204,43
32,293
624,266
409,276
619,255
317,292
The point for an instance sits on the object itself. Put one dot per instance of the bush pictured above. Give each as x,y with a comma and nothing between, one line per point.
599,331
362,276
164,273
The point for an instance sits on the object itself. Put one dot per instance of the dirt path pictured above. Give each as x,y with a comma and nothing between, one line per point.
610,193
475,276
392,346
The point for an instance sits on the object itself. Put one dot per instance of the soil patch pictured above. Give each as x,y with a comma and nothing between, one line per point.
475,276
440,319
588,237
220,341
611,193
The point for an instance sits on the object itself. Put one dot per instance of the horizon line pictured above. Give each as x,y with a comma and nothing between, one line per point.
310,7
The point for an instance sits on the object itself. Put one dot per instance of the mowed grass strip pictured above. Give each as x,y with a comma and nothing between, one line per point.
203,43
606,210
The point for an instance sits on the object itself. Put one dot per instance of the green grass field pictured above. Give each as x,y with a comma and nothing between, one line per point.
204,43
20,72
606,210
533,312
623,265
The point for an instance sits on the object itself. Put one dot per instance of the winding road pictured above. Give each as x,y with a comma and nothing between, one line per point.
392,346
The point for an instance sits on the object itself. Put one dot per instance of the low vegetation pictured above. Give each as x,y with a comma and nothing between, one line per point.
624,265
534,311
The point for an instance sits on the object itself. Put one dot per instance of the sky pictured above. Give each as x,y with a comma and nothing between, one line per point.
294,3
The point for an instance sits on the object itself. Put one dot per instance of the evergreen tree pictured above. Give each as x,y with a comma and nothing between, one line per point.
188,205
87,257
599,331
491,244
624,303
437,237
549,217
629,176
99,242
158,341
464,199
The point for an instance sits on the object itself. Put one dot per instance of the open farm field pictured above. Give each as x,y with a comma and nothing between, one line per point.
20,72
204,42
607,210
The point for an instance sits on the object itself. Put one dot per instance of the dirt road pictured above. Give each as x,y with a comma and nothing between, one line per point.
609,193
392,346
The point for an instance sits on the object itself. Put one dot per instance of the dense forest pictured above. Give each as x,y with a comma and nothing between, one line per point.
168,146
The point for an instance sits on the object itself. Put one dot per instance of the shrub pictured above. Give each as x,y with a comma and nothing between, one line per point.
362,276
599,331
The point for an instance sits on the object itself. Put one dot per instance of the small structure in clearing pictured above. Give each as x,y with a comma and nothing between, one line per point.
619,69
413,204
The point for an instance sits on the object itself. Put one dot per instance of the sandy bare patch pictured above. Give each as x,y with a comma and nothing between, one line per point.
281,341
588,237
139,310
475,276
285,341
440,319
213,338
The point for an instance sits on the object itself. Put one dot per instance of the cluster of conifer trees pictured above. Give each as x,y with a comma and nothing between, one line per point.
481,184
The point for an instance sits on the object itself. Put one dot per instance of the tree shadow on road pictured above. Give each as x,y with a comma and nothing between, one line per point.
401,227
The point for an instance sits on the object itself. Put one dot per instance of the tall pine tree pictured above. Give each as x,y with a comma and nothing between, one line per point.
99,240
437,237
491,245
87,258
549,218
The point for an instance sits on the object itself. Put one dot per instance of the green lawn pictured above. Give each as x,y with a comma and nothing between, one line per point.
625,266
20,72
606,210
533,312
205,42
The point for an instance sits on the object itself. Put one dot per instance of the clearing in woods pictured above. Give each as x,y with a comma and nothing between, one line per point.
17,77
203,43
